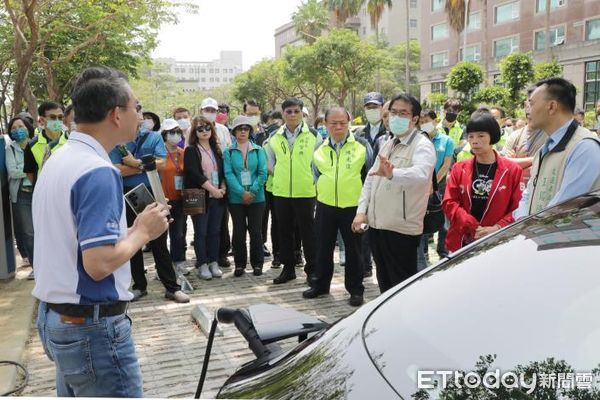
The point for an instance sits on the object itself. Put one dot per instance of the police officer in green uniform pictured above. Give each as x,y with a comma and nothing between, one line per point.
290,154
339,168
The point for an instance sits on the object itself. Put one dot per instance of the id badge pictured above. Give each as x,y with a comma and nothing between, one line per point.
246,178
214,178
178,182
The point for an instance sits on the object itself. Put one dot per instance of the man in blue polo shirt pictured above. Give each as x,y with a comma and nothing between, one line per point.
147,142
82,247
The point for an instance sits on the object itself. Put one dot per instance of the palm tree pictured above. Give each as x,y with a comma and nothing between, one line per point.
344,9
456,18
484,45
310,20
376,9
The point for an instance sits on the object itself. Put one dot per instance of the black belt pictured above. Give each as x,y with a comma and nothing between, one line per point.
87,310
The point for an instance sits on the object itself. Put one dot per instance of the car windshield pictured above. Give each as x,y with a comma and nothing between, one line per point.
526,294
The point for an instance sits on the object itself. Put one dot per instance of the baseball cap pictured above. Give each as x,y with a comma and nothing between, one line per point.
169,124
373,97
209,102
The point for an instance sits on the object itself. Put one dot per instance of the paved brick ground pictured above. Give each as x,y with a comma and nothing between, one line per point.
171,347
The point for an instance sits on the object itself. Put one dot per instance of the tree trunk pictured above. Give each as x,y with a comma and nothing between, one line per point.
407,53
547,44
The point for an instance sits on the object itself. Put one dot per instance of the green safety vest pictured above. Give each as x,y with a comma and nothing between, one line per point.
41,150
455,133
292,174
340,183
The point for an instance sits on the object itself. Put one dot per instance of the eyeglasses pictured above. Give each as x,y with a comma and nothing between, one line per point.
55,117
401,113
243,128
175,131
291,111
204,128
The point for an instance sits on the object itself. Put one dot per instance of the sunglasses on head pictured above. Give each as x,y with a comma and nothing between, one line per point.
204,128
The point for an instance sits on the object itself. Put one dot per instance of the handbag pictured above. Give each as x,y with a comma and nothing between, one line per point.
434,216
194,200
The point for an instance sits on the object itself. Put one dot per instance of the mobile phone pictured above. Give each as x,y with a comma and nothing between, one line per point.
138,198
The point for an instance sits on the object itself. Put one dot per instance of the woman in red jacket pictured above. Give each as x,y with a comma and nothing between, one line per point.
481,192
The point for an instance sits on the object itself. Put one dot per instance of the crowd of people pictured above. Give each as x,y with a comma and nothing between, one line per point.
369,190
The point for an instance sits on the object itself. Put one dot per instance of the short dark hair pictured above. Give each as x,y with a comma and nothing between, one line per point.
224,107
98,90
560,90
502,112
429,113
274,114
415,105
155,119
24,115
47,106
250,102
336,109
180,110
453,103
28,125
484,122
291,102
68,110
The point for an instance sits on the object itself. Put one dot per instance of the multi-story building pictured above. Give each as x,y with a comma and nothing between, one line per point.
507,26
392,25
199,75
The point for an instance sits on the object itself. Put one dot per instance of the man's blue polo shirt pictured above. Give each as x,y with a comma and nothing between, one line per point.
444,147
153,144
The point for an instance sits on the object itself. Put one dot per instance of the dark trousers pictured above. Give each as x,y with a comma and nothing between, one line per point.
247,217
365,253
303,211
225,239
162,260
176,231
328,221
395,256
270,209
207,229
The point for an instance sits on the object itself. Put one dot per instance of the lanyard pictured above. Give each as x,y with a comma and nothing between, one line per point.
175,161
211,155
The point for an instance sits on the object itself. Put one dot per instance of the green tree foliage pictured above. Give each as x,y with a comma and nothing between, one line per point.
492,95
393,67
310,20
344,9
465,77
264,81
548,70
516,71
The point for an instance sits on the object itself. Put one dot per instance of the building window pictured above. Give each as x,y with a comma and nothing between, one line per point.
506,12
439,87
212,79
540,5
503,47
437,5
591,90
439,60
217,79
474,22
557,37
203,70
203,80
592,29
211,71
413,23
473,53
413,3
439,31
216,70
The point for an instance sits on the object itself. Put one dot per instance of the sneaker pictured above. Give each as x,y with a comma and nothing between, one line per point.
239,271
266,251
257,271
224,262
31,276
177,297
215,270
204,272
342,258
137,294
276,263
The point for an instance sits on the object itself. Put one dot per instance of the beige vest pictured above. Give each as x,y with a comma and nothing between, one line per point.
394,207
548,177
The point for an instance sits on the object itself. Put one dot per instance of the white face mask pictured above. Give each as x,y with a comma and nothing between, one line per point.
399,125
508,130
173,138
427,127
254,120
373,115
147,124
184,123
210,116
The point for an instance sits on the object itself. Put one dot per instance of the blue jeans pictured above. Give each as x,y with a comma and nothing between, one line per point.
421,260
93,359
207,229
23,224
176,231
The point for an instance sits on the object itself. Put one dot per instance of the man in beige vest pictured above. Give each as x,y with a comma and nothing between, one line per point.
568,164
394,197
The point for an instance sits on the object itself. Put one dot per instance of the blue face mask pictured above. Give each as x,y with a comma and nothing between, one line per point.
322,131
19,134
399,125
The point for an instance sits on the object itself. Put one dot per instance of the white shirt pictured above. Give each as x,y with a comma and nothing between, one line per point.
224,136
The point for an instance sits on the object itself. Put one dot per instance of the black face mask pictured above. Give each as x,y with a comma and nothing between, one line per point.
451,117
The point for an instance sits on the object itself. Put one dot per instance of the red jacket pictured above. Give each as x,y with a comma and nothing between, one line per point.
504,199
